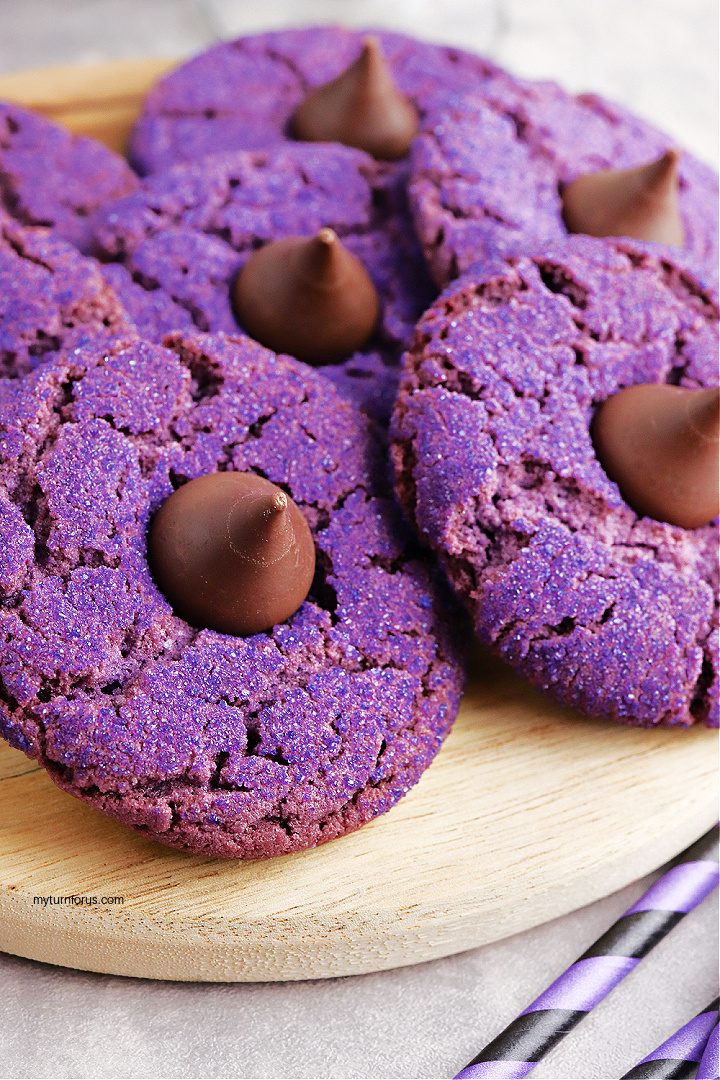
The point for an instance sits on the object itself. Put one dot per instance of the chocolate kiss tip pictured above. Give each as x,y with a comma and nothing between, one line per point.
371,57
231,552
362,108
277,504
641,203
660,445
307,296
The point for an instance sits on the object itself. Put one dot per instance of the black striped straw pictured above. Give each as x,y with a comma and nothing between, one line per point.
678,1057
516,1051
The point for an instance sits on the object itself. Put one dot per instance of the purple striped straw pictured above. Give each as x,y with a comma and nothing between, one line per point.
516,1051
678,1057
709,1068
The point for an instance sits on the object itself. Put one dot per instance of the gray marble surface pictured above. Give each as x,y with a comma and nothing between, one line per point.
660,58
423,1021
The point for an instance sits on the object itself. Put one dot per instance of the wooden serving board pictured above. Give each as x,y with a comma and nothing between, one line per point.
528,811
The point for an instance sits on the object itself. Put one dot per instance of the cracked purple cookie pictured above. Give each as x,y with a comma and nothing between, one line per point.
51,298
490,174
224,745
50,177
609,612
180,241
242,94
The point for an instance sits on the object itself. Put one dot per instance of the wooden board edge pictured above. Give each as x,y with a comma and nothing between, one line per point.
83,87
101,100
295,949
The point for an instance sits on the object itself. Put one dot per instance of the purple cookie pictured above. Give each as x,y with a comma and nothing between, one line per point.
612,614
48,176
488,175
51,299
228,746
180,240
241,94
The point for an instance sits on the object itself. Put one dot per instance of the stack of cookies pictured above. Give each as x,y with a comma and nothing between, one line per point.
259,481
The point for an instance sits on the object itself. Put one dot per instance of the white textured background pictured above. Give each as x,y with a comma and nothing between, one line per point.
660,58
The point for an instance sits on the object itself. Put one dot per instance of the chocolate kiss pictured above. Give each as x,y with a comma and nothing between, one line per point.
231,552
307,296
361,108
642,203
660,445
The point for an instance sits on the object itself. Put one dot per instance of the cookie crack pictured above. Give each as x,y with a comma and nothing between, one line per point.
20,249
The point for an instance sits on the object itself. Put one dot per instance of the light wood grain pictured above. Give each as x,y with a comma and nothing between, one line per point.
528,812
101,100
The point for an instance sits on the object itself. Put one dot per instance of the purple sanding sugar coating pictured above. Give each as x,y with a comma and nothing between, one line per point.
153,311
680,889
181,239
50,177
709,1068
688,1043
583,985
609,613
491,171
500,1070
237,747
51,298
241,94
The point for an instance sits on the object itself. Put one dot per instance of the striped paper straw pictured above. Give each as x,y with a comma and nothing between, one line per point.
709,1068
516,1051
678,1057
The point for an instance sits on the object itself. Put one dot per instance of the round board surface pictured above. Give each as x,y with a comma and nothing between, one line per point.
528,811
